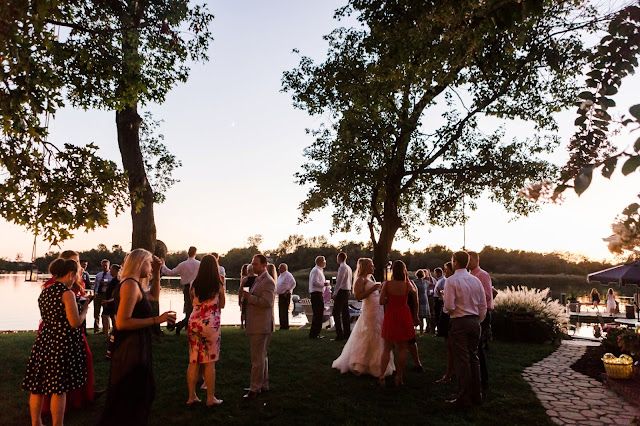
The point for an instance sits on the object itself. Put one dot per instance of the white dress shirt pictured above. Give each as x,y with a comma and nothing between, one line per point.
188,270
316,279
98,282
439,286
464,295
344,278
285,283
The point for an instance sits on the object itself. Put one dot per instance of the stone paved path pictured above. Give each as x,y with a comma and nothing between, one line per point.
571,397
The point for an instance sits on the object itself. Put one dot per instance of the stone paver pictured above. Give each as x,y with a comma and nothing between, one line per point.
573,398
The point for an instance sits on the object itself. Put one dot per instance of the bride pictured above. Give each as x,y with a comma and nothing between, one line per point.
362,352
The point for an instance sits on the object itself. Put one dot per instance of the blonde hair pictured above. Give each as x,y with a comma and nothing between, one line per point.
133,262
362,264
273,271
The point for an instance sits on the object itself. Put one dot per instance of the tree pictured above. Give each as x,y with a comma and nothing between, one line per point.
404,94
113,55
590,148
254,240
50,189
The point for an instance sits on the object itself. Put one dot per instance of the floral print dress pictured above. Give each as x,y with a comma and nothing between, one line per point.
204,332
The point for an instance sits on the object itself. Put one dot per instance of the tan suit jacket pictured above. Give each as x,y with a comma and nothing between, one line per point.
260,318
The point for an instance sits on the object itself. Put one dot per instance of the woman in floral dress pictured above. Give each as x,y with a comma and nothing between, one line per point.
207,292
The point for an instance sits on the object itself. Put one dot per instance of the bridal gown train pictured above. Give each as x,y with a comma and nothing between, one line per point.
361,354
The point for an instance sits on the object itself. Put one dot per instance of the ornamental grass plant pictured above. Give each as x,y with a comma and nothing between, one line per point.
549,319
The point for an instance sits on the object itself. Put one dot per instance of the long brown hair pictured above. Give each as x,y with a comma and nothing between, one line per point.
399,271
208,282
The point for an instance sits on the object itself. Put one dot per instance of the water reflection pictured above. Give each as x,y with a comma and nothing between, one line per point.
19,303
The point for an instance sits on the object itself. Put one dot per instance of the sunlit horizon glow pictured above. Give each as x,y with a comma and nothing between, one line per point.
240,142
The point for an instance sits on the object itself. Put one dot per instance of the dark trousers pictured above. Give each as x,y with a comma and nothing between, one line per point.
341,314
464,335
188,307
317,304
437,307
283,309
484,372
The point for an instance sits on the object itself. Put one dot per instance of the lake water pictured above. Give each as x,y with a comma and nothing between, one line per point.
19,303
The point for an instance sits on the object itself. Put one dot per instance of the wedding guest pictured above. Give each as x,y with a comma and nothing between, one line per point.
260,324
431,297
317,284
84,264
595,298
362,353
85,393
284,287
341,294
273,271
611,301
485,279
132,388
437,293
443,326
424,314
223,273
187,270
397,325
244,273
109,304
412,344
204,328
57,363
465,301
103,278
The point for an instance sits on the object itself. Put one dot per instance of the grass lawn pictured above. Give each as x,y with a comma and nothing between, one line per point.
304,388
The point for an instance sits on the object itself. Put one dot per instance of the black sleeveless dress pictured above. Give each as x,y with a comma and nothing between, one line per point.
131,384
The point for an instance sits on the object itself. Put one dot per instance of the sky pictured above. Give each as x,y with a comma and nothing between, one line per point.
240,142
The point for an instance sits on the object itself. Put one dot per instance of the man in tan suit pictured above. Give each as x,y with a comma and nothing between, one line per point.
260,324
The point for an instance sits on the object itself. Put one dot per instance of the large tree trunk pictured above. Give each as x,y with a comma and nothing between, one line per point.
144,227
390,225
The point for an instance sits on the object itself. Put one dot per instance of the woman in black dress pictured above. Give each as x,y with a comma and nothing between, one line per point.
443,330
131,384
57,363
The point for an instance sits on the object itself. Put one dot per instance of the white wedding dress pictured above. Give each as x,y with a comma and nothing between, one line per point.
361,354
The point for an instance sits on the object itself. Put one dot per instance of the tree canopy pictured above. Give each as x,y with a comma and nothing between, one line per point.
111,55
404,94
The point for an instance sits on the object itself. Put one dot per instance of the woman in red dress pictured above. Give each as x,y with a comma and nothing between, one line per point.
398,323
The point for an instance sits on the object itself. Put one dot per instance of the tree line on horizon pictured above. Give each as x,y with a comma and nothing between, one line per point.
299,253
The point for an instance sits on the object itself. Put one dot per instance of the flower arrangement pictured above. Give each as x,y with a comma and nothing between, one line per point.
550,320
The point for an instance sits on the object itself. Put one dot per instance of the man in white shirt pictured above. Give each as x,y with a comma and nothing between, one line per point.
317,283
485,279
466,304
285,285
188,271
341,294
103,278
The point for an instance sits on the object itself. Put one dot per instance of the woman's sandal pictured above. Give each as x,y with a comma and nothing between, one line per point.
215,403
193,401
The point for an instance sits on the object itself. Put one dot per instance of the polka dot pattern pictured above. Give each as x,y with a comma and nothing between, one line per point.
58,359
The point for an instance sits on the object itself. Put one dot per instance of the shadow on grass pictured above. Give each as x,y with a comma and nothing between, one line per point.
304,388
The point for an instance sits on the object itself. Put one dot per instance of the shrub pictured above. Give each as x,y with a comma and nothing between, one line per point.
611,343
549,317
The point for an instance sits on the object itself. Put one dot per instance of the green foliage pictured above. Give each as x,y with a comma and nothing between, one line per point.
549,317
91,54
387,156
159,163
611,342
629,342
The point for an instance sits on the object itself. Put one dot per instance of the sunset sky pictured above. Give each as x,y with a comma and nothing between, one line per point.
241,141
